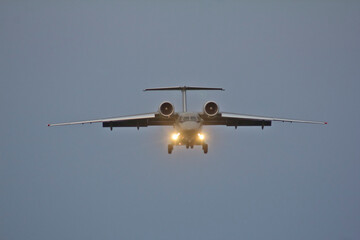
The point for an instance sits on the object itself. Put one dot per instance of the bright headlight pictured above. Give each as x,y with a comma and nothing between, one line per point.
175,136
201,136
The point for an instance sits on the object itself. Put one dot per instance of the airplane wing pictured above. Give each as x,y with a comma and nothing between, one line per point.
234,119
139,120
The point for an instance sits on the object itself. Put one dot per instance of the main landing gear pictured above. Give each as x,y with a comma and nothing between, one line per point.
205,147
170,148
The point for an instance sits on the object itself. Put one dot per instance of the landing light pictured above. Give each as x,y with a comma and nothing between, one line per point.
201,136
175,136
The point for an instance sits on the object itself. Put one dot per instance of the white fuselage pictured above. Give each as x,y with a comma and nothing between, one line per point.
189,126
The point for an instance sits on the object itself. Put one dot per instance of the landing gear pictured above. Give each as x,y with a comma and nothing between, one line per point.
170,148
205,148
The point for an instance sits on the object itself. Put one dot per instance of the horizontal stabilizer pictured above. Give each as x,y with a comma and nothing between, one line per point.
184,88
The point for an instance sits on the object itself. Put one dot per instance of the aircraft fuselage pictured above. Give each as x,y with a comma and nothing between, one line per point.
188,130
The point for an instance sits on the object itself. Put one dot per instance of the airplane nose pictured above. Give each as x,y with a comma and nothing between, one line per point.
189,126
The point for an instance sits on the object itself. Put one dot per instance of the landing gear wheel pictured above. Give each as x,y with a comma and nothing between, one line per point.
205,148
170,148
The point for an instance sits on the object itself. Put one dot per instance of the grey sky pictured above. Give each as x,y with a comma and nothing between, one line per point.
66,61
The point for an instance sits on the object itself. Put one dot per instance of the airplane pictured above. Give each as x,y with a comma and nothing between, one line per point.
187,125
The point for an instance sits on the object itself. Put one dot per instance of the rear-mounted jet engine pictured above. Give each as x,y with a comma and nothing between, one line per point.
166,109
211,109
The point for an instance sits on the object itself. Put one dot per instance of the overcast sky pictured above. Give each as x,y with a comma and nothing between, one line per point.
79,60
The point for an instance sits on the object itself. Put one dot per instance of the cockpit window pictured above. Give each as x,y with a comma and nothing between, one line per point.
188,118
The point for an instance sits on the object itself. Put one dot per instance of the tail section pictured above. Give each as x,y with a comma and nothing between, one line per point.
184,88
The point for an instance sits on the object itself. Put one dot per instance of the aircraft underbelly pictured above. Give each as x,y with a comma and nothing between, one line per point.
189,127
189,132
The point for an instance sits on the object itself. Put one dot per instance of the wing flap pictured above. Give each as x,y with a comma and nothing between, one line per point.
260,118
234,119
156,121
139,117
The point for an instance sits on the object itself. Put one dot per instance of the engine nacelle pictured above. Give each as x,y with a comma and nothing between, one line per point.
166,109
211,109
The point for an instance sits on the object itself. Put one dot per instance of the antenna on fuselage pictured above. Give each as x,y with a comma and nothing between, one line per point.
183,91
